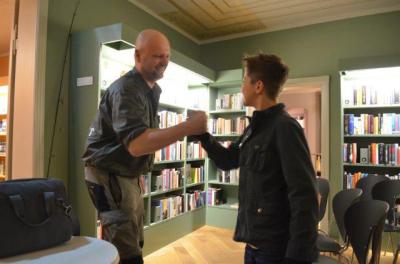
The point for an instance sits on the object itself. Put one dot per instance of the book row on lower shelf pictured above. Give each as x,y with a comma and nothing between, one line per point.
170,179
353,178
168,207
367,124
374,154
175,204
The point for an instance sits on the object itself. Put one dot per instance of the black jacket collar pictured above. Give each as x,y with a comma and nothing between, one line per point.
263,115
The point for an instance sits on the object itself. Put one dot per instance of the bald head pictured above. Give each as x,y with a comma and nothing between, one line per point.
150,37
152,53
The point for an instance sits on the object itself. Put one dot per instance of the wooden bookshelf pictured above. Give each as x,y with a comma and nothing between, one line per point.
168,162
223,215
372,136
158,193
228,111
223,183
368,105
226,135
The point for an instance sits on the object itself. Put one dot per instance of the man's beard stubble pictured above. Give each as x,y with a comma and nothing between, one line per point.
155,75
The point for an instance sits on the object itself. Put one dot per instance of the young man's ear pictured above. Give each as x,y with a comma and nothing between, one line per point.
260,87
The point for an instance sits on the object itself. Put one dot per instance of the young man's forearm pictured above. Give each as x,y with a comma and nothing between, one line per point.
153,139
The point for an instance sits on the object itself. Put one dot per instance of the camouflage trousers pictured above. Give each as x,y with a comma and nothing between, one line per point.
120,207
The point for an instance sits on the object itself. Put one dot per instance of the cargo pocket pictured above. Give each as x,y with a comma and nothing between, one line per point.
115,189
122,232
98,197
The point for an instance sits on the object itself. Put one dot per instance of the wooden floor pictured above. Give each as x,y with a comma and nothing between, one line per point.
208,245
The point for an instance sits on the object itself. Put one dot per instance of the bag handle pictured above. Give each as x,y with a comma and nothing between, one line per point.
19,208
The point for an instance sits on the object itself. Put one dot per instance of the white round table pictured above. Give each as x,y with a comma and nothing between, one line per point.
79,249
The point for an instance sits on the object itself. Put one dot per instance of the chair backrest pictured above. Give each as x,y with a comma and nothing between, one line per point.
323,189
364,221
367,183
341,202
387,191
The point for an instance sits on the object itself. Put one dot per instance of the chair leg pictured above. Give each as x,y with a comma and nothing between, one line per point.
396,254
391,241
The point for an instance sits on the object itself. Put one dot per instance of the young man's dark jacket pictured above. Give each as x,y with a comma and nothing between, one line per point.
278,206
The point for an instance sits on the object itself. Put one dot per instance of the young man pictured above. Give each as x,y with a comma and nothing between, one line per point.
121,144
278,207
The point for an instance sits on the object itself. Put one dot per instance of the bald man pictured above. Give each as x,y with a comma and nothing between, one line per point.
121,144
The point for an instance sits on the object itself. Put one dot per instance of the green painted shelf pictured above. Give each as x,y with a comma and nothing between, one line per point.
152,194
371,165
223,183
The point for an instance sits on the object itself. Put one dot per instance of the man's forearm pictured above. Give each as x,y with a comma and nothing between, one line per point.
153,139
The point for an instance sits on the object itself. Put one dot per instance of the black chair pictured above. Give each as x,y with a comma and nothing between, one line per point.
341,202
388,191
323,189
367,183
364,221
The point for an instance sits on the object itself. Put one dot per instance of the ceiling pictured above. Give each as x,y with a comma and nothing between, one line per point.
5,26
206,21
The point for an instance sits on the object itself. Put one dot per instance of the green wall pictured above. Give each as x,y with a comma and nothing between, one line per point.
91,14
317,50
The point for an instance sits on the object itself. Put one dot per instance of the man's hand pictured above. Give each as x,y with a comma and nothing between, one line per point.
196,123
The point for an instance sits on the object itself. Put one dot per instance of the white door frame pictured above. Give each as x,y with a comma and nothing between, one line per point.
28,91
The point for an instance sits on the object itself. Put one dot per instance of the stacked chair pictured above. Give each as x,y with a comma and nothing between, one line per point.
389,191
366,184
364,221
341,202
360,220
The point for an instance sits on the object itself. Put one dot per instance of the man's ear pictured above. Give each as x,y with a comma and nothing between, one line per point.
260,87
137,56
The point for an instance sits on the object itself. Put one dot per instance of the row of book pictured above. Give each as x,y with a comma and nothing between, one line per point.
375,153
194,199
359,95
171,152
167,179
195,151
228,126
146,187
230,101
353,178
174,205
231,176
167,207
168,118
381,124
194,174
215,196
3,125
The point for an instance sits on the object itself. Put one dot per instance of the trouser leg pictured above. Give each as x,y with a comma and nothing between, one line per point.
120,205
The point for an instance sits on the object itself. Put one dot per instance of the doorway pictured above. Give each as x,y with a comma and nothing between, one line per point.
307,100
6,25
